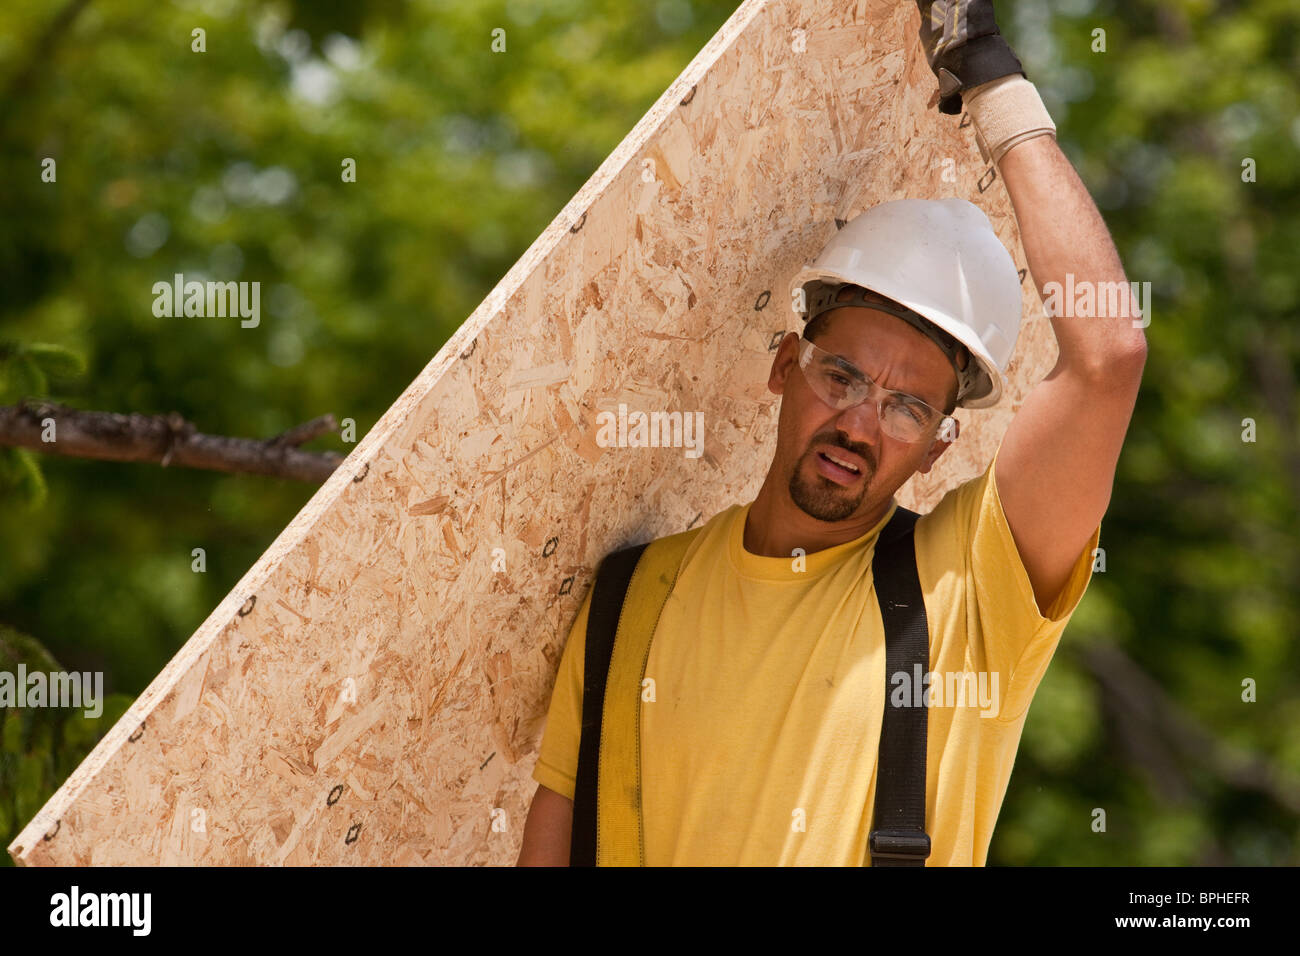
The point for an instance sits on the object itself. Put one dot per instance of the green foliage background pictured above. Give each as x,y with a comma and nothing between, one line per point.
227,164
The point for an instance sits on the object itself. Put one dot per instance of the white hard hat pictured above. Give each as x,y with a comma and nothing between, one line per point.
940,259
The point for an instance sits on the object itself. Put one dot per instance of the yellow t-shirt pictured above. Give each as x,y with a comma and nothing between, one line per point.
760,747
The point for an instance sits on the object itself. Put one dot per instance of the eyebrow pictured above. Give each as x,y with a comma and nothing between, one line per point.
841,362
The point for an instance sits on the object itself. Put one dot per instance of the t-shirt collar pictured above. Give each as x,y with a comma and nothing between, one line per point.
783,569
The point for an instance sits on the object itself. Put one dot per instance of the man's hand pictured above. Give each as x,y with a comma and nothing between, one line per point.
964,47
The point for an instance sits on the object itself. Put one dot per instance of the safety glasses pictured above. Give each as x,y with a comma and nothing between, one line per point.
838,383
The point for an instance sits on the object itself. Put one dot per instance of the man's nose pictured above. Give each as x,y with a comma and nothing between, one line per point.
861,423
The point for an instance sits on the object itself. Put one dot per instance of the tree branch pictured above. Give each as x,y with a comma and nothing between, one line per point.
39,58
301,434
167,440
1157,729
1277,384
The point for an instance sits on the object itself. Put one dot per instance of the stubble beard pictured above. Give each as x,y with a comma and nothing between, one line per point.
822,498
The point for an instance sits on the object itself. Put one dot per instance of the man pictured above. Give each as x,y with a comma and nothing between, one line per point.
760,745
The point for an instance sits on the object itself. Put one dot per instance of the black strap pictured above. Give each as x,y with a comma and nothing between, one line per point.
612,578
898,836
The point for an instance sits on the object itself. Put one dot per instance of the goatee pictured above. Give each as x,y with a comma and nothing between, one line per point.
822,498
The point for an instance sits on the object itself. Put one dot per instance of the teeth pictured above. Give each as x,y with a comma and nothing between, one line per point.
842,464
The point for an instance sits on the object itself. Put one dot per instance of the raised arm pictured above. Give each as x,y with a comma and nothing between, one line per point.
1057,461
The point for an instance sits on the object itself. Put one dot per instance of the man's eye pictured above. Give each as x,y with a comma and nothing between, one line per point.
916,412
839,379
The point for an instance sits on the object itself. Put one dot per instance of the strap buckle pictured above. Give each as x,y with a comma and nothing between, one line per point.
899,844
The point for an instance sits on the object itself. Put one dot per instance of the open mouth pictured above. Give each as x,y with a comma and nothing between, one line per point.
837,468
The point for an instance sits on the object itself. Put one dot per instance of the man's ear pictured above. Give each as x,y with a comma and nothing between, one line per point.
787,355
936,449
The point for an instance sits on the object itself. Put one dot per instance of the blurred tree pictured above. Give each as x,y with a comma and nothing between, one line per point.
40,746
1182,119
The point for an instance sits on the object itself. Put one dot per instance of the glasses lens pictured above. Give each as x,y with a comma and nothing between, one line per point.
906,418
902,417
836,388
830,383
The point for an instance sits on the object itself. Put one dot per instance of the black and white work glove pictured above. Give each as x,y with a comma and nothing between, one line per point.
964,47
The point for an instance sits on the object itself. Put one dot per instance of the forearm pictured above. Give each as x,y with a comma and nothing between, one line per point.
1097,317
1071,257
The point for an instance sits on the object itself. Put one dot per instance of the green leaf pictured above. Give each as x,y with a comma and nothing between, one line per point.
11,731
55,360
17,648
30,785
25,473
24,378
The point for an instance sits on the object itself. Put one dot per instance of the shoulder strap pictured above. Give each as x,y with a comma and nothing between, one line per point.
612,578
898,836
631,588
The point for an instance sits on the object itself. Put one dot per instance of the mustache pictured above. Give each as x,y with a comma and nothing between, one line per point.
860,450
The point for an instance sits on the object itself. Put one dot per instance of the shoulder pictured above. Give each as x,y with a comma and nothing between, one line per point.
667,555
686,543
670,554
950,523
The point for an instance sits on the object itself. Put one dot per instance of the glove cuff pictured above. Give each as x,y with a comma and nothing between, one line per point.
973,63
1007,111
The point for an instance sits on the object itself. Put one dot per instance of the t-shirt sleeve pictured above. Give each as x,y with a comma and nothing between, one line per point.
1018,639
557,761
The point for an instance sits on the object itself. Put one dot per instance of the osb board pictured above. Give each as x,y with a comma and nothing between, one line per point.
373,690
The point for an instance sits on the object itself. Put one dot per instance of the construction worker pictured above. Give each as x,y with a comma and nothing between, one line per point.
758,741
